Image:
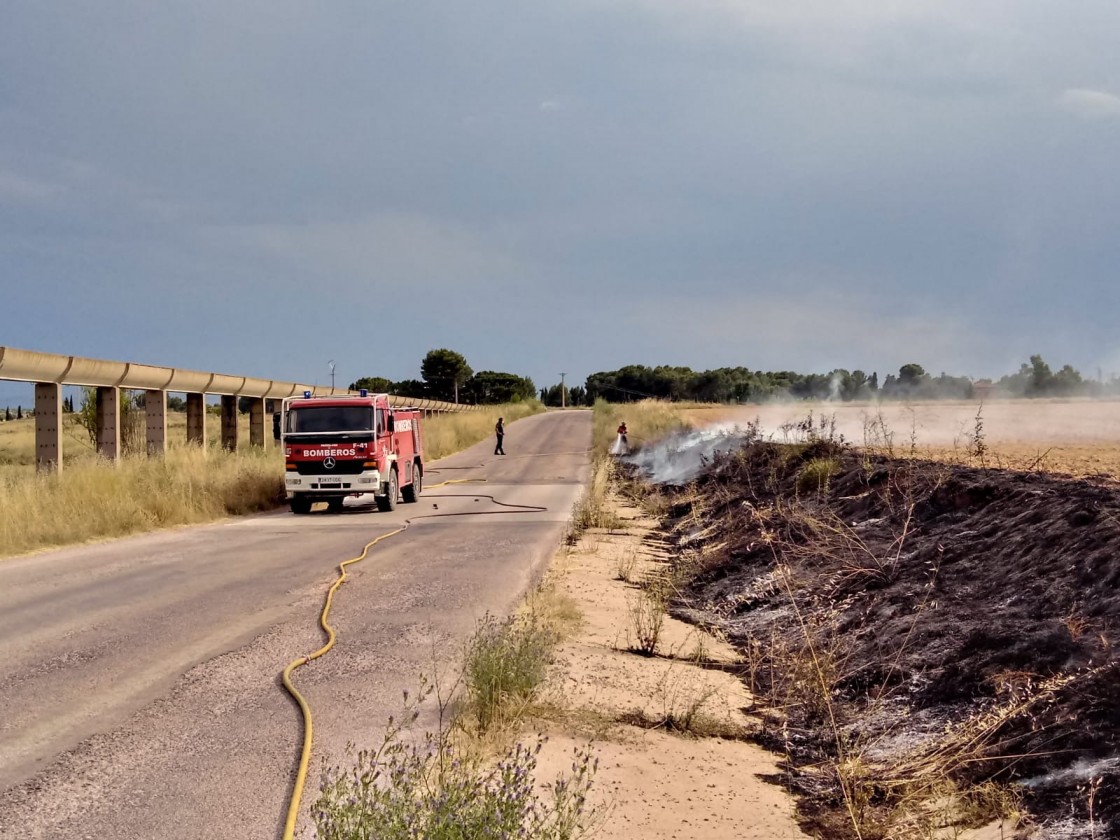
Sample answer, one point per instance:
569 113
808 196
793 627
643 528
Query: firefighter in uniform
499 432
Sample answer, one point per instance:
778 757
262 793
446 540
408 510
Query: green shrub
816 474
506 663
431 788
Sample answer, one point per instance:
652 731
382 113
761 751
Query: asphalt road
140 693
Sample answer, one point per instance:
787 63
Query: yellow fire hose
305 709
305 757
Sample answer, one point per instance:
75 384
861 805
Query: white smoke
1080 771
680 457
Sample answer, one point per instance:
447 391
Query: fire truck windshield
330 418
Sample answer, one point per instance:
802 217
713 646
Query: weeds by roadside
470 775
625 566
591 509
436 787
506 663
646 611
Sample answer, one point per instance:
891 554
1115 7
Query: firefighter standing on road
500 432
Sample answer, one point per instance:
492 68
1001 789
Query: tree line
739 384
446 375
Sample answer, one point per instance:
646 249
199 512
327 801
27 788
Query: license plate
337 481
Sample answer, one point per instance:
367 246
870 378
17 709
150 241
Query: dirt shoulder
669 729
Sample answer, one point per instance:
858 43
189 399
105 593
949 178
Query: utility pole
330 364
563 392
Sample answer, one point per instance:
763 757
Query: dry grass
1078 460
17 438
592 509
646 421
1072 437
94 500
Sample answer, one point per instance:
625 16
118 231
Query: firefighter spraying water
622 443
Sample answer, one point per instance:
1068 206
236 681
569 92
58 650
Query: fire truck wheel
412 491
300 504
388 502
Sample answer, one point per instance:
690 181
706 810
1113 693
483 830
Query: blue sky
260 187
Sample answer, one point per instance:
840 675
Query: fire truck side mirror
276 425
391 424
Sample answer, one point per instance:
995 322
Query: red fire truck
342 446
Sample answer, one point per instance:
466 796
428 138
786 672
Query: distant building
983 389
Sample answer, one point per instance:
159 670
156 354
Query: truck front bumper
332 485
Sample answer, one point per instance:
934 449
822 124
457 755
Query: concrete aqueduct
50 371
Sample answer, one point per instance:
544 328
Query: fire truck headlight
293 482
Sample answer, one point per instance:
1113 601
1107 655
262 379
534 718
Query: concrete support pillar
229 423
155 412
271 407
196 419
256 422
108 413
48 426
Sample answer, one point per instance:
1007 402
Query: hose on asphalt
286 676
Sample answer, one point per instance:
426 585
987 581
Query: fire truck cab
341 446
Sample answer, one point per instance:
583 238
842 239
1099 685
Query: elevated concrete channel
50 371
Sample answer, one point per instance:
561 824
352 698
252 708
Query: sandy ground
653 783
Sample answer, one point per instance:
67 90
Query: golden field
1080 438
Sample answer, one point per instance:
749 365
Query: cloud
651 164
17 188
804 330
1090 104
414 253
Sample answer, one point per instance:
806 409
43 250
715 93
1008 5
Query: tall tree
489 387
373 384
411 388
445 371
911 374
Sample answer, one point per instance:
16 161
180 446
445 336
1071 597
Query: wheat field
1080 438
